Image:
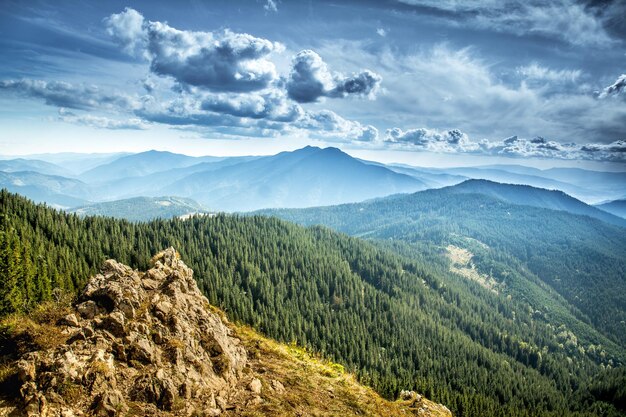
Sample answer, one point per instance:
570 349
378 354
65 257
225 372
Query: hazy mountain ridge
616 207
309 176
306 177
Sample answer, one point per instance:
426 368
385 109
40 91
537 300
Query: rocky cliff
150 344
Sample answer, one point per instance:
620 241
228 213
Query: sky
422 82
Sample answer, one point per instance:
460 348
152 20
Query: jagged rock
143 337
255 386
89 309
109 403
277 386
114 323
70 320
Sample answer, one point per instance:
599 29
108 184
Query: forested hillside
581 258
400 322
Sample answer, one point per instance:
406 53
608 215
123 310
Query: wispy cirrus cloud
570 21
100 122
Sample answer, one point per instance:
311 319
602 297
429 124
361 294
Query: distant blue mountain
306 177
55 190
35 165
141 164
616 207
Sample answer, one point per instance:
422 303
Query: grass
314 386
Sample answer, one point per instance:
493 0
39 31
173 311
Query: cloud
568 20
63 94
127 29
310 79
617 88
218 61
328 124
455 141
381 32
271 6
271 105
101 122
430 139
536 72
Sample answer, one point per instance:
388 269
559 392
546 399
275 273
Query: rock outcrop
137 338
149 344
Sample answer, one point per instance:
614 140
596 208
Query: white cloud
63 94
381 32
568 20
224 61
100 122
271 6
618 87
329 125
310 79
455 141
536 72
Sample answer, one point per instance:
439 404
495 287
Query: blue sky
416 81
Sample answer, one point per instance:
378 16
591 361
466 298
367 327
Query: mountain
141 164
42 167
587 185
54 190
617 207
529 250
394 314
76 163
305 177
150 343
536 197
141 208
153 184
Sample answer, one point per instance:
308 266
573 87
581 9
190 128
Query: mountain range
306 177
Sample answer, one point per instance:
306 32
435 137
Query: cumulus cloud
455 141
100 122
571 21
618 87
63 94
224 61
271 105
310 79
430 139
328 124
127 29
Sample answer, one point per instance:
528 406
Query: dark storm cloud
310 79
